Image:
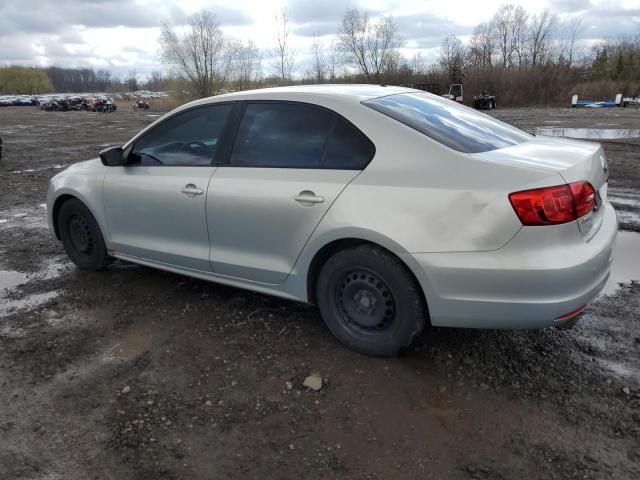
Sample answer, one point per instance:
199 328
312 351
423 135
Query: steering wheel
195 146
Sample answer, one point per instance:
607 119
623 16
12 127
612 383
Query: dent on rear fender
427 219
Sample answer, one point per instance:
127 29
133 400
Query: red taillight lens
553 205
584 196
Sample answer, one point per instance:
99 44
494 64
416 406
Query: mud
134 373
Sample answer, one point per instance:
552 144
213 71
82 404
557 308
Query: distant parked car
388 207
484 101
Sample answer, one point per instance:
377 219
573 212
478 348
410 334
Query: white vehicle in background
455 93
388 207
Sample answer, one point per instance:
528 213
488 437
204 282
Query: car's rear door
155 204
288 164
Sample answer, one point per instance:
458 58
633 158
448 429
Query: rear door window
458 127
285 135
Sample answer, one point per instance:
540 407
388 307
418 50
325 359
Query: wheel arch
63 198
55 212
336 245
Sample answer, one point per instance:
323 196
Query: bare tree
155 81
319 68
481 46
519 33
452 55
247 64
283 56
540 36
570 35
369 47
418 64
131 81
501 26
201 53
333 60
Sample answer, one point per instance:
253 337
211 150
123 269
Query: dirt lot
134 373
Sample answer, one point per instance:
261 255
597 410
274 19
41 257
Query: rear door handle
190 190
307 196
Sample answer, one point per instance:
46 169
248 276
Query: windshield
456 126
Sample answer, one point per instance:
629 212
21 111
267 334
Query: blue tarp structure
595 104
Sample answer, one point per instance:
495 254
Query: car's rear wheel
370 301
81 236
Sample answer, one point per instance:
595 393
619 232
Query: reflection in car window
187 138
282 135
458 127
349 148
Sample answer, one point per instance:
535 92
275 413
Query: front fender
85 182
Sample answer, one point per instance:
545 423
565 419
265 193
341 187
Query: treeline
31 81
521 57
22 80
537 59
89 80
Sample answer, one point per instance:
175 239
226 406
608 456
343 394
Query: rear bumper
536 278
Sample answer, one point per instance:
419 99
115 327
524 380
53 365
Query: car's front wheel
81 236
370 301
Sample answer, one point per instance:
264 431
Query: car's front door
289 163
155 203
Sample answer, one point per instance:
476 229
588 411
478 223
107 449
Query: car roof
343 92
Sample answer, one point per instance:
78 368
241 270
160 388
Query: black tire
81 236
351 288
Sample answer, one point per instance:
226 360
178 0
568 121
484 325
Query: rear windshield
456 126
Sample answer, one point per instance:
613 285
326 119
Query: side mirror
112 157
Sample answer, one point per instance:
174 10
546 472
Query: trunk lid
574 160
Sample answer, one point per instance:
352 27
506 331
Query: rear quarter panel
425 197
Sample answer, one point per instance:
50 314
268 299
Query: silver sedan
387 207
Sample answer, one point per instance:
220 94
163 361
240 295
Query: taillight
553 205
584 196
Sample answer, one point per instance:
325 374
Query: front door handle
307 196
190 190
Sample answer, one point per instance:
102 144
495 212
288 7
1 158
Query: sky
122 35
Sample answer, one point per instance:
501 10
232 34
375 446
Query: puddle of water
153 115
632 202
619 369
626 262
10 279
12 332
28 302
589 133
131 346
35 217
631 218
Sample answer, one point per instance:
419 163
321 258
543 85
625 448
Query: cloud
231 16
312 11
426 30
316 28
44 16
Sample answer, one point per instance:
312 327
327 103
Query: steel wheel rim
364 301
80 235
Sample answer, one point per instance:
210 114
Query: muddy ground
133 373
